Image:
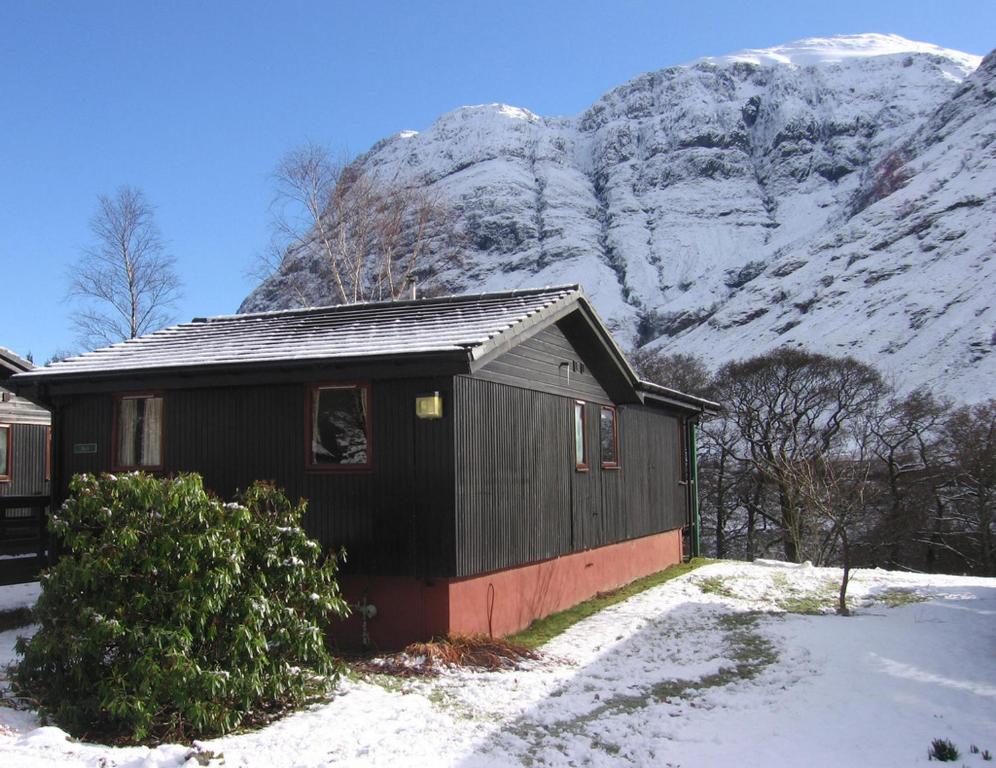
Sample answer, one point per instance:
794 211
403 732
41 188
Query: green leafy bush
173 615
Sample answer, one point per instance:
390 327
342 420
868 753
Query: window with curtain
340 426
609 437
580 452
139 432
5 453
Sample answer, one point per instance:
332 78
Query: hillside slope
832 193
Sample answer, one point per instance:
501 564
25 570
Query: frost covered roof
12 362
390 329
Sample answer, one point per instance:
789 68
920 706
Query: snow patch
817 51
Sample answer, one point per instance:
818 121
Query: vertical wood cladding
491 485
390 518
80 421
519 497
513 495
546 362
28 446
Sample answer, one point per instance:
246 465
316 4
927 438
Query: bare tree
908 447
837 492
789 406
970 438
373 238
679 370
125 282
726 483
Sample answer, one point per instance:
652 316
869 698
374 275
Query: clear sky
195 102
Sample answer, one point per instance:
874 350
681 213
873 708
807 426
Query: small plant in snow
174 616
943 750
714 585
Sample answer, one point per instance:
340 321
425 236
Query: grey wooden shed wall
27 461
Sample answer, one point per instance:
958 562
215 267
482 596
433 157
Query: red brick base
501 602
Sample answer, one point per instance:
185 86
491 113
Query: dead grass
467 651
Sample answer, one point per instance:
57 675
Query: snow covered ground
706 670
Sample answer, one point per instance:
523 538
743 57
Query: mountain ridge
686 199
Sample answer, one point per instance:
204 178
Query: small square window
5 449
139 433
340 427
608 435
580 450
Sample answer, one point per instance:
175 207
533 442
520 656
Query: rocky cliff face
836 194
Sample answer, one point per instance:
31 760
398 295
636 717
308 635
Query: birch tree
124 284
373 238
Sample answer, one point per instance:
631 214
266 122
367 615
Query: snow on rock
814 51
711 669
836 194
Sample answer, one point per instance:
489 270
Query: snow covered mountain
836 194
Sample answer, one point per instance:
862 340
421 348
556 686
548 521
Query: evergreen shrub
173 615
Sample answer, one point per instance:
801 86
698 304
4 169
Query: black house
484 459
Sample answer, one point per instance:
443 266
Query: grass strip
545 629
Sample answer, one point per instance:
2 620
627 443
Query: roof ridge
448 324
15 359
449 298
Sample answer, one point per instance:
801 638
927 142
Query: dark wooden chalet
24 476
484 460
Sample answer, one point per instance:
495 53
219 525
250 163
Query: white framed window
580 446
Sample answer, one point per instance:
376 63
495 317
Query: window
580 452
340 427
608 437
5 445
48 454
138 437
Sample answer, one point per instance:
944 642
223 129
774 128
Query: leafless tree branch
125 284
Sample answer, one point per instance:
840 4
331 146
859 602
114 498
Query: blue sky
195 102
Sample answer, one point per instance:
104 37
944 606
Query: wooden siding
27 461
18 410
392 519
491 485
513 495
649 437
536 364
519 498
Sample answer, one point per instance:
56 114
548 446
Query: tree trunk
842 595
790 525
720 500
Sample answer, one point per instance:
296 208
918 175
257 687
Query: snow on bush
174 615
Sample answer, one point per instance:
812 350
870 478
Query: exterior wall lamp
429 406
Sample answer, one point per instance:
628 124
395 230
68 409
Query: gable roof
471 329
454 324
11 362
13 409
